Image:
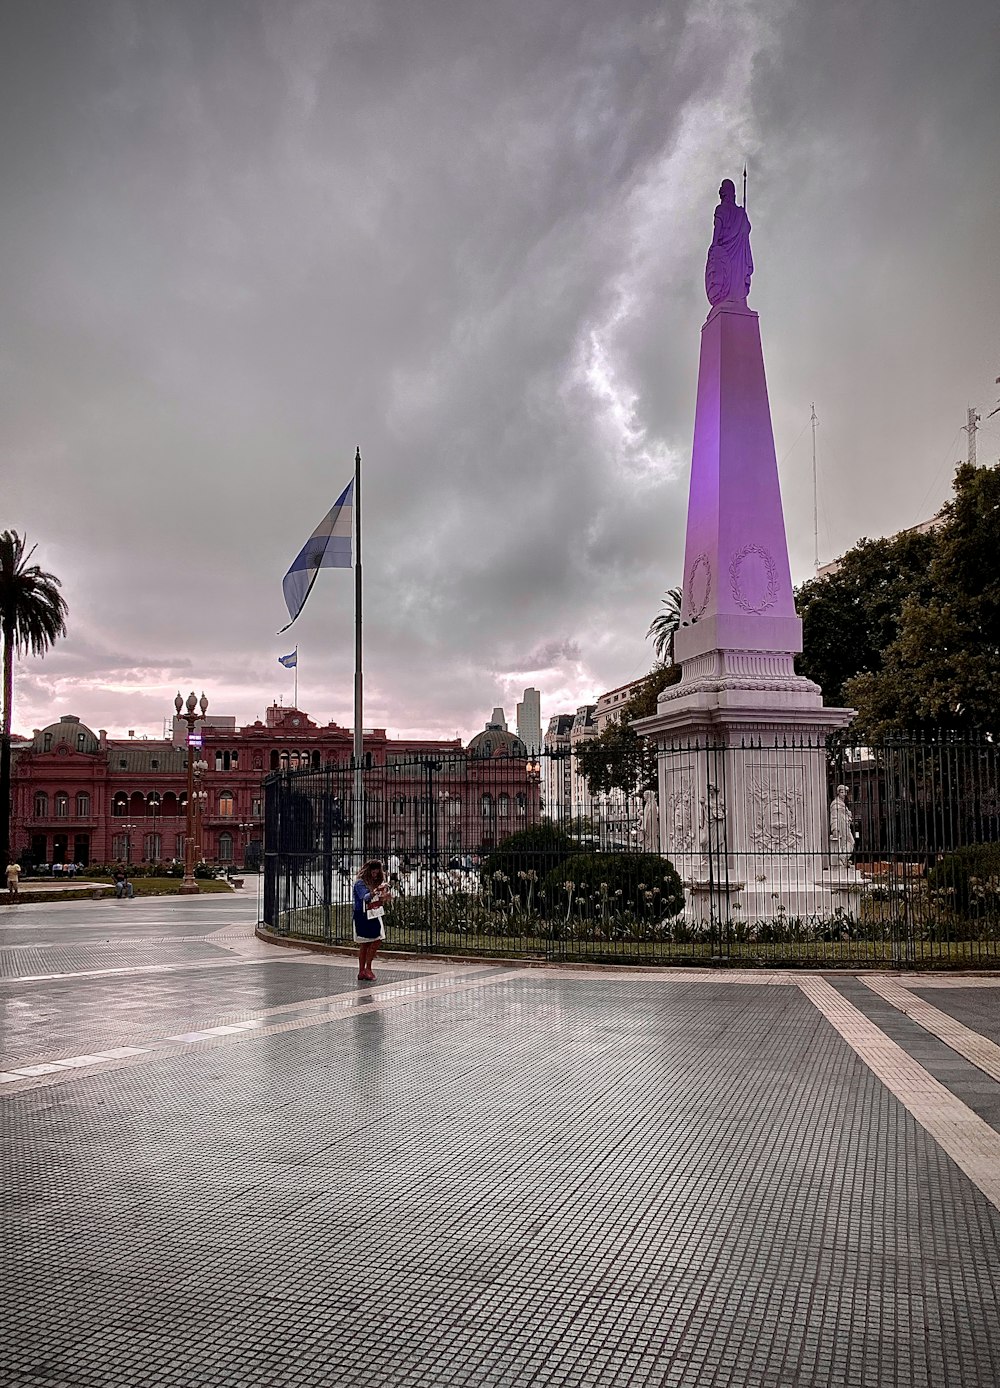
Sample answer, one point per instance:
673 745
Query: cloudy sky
240 237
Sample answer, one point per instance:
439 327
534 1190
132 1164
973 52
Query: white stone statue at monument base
730 264
650 822
841 830
712 830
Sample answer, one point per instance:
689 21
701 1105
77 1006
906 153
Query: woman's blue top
362 925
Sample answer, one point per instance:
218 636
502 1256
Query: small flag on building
289 661
328 547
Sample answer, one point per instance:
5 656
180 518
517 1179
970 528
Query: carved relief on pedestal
682 818
753 578
699 587
777 811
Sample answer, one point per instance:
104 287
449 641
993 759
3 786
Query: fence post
327 899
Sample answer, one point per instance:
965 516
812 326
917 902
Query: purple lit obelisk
742 767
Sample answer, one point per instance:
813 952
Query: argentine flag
289 661
328 547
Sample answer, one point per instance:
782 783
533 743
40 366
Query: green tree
32 618
942 670
664 626
619 759
850 617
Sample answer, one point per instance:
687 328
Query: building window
227 805
152 848
81 849
41 805
82 805
256 809
274 761
225 848
119 806
503 806
399 804
80 740
487 805
453 807
179 846
522 805
61 805
47 743
283 761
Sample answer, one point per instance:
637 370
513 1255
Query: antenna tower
815 421
970 428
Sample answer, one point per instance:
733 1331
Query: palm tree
664 624
32 617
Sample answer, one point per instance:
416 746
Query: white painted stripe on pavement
316 1012
977 1049
973 1145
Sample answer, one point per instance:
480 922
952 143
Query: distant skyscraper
499 719
529 721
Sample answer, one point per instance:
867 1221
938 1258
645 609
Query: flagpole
296 668
359 822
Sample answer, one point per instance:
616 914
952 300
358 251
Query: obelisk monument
741 763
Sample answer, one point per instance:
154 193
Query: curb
269 937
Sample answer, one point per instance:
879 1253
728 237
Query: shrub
137 870
538 850
968 880
642 883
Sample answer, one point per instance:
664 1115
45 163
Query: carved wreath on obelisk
770 594
699 586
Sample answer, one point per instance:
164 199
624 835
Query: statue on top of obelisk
730 264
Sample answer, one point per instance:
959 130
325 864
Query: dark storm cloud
240 239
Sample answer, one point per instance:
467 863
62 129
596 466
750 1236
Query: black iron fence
782 853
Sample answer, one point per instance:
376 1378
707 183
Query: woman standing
370 896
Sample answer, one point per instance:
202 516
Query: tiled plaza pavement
228 1164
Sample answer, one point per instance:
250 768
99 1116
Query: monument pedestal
742 738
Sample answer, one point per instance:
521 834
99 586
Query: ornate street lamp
533 775
152 806
189 712
246 828
127 830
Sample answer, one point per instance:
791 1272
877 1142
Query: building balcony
58 823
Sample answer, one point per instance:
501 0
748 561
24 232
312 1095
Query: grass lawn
309 923
163 886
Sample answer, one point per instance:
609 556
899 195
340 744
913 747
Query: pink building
80 796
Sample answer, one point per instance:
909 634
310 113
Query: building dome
69 730
495 741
